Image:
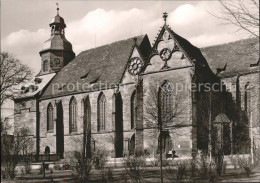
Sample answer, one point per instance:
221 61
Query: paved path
253 178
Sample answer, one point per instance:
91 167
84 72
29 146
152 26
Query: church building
131 97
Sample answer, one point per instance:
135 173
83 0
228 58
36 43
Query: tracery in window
49 117
165 103
101 112
73 115
247 99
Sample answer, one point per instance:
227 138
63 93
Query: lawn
149 175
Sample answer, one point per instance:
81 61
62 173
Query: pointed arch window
73 115
45 65
49 117
247 99
101 112
133 110
165 103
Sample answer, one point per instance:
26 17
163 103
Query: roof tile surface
104 64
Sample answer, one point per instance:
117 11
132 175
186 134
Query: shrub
110 176
26 163
219 157
81 165
41 170
256 156
246 164
51 170
57 167
193 167
156 161
12 150
224 167
178 170
8 174
66 166
203 165
22 171
100 160
134 167
234 161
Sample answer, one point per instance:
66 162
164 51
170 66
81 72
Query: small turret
57 50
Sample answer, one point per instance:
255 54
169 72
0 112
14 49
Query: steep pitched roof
35 86
238 56
104 64
192 51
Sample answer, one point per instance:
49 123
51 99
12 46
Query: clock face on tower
56 61
135 66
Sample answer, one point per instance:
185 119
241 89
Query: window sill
50 131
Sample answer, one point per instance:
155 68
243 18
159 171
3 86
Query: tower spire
165 15
57 8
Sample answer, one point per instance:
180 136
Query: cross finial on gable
165 15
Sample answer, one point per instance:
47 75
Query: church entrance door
60 131
119 139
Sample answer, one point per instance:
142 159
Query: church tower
57 50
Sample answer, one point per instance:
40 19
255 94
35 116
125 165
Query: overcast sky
25 23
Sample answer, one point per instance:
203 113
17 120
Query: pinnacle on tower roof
58 19
57 8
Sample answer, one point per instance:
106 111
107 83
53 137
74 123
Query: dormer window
45 65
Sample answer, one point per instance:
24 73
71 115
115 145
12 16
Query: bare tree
5 126
243 14
13 73
84 158
14 149
161 121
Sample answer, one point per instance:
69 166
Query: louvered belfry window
49 117
73 115
166 103
101 112
45 65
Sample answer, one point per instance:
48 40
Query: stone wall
181 136
25 115
251 80
103 138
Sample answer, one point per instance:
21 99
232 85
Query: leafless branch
243 14
13 73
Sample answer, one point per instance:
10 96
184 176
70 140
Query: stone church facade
120 93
